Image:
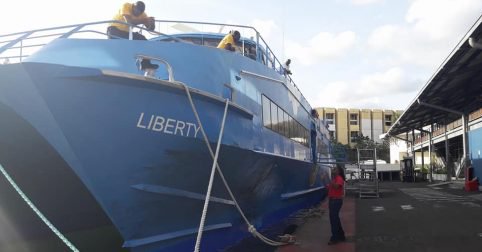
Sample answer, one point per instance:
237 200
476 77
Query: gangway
361 175
368 175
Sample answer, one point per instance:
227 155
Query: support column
465 138
413 147
422 152
430 143
406 137
448 166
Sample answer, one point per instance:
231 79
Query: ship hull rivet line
251 228
37 212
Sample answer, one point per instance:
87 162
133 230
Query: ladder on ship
368 175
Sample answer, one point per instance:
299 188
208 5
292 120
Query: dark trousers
337 233
114 33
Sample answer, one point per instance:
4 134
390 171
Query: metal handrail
14 57
258 38
168 66
77 28
80 25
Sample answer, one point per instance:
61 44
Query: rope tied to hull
211 181
251 228
37 211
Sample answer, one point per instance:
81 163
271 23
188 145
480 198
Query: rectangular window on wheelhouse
211 42
274 116
281 123
266 112
290 126
286 125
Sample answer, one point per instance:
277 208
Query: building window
353 136
332 134
330 118
353 119
388 120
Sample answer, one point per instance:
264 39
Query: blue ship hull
95 148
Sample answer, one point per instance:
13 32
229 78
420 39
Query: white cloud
432 29
266 27
365 2
440 19
369 91
393 80
322 46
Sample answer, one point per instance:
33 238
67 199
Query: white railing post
21 47
257 45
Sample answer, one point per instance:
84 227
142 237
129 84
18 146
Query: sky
374 54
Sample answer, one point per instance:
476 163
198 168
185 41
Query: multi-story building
346 124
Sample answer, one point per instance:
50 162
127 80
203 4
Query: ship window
191 40
250 51
211 42
282 123
290 127
286 120
281 120
299 133
266 112
274 117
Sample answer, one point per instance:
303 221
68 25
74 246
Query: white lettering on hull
168 125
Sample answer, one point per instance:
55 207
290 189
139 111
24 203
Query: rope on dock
37 211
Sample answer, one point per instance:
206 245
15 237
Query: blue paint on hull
115 133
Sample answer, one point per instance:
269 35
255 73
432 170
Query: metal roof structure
456 86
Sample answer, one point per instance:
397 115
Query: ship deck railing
15 47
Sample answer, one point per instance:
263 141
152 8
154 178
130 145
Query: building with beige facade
346 124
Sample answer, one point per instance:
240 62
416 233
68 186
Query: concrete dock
407 217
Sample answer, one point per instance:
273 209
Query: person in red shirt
335 196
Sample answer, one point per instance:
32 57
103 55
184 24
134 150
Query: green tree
383 148
345 153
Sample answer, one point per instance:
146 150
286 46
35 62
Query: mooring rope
251 228
211 180
37 212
